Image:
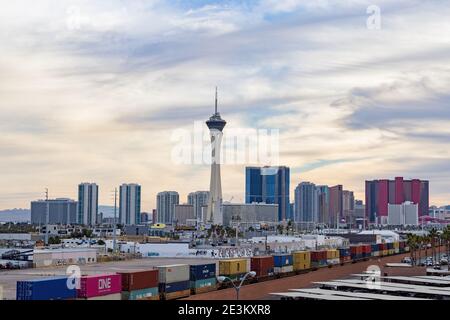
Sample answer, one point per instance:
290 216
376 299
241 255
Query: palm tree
411 241
433 236
446 238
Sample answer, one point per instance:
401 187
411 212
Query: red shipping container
262 265
99 285
137 280
318 255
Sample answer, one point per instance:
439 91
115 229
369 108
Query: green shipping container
211 282
140 294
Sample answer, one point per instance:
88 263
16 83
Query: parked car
407 260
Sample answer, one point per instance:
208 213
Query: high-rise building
323 203
165 206
269 185
348 205
215 125
381 193
130 204
57 211
88 204
154 216
403 214
198 199
183 213
335 213
306 203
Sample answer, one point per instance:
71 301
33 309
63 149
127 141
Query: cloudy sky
93 91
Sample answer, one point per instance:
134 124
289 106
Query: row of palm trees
434 239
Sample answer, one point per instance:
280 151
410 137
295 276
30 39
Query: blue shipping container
198 284
374 247
174 286
45 289
343 252
202 271
282 260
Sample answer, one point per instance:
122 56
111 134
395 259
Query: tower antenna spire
216 102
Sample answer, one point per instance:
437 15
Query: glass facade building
130 204
269 185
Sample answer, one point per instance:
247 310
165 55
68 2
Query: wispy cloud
93 90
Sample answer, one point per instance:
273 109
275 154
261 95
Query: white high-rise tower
215 125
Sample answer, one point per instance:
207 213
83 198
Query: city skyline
93 92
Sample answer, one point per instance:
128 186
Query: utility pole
47 215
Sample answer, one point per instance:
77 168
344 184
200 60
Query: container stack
402 246
319 258
174 281
366 250
356 252
301 260
383 248
262 265
390 248
396 247
283 263
375 250
344 255
203 278
140 285
234 269
100 287
333 257
55 288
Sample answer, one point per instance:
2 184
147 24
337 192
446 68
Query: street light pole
237 288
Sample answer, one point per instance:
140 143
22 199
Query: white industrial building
406 213
52 257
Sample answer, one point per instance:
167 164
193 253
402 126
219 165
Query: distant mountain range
24 215
15 215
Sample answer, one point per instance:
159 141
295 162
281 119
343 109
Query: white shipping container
115 296
376 253
283 269
173 273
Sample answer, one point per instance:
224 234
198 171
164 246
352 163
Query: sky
94 91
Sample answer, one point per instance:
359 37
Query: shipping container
262 265
301 260
143 294
396 245
318 255
385 253
320 263
202 271
332 254
99 285
176 295
114 296
282 260
333 261
233 267
174 273
204 285
55 288
284 269
137 280
344 252
174 286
